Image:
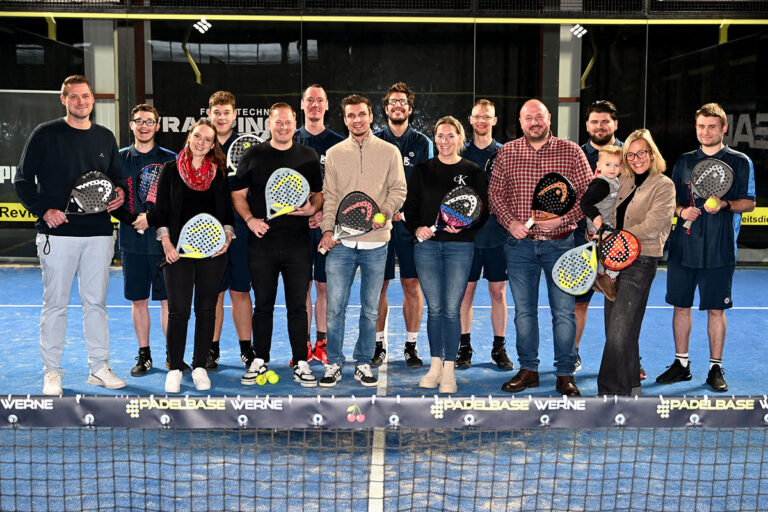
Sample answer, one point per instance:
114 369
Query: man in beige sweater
366 164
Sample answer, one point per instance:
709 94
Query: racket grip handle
323 251
529 223
687 224
161 265
434 230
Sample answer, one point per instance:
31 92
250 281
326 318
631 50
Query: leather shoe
566 385
523 379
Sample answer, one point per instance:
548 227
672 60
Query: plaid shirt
519 167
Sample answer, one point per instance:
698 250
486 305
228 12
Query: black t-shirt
256 166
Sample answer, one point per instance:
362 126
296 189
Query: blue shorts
494 260
714 286
139 273
237 276
318 260
401 243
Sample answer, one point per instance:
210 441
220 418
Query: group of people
622 185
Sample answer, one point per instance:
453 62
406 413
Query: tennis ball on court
272 377
380 218
261 379
711 203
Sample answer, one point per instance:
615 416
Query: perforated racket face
355 215
286 189
91 193
201 236
489 165
149 177
576 270
241 144
554 194
461 206
618 250
711 177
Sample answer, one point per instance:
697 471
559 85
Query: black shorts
139 271
493 260
401 242
318 260
714 286
237 276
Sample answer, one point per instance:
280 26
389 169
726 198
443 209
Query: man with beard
704 256
520 164
414 147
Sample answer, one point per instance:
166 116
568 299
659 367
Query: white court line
376 478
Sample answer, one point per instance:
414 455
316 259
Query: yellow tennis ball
711 202
272 377
380 218
261 379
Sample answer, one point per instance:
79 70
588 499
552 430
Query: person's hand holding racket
225 248
54 218
305 210
171 254
710 178
258 226
118 201
202 236
141 224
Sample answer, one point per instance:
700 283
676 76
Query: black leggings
181 278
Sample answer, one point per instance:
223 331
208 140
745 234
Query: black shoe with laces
675 373
185 368
715 379
143 363
500 358
247 356
379 355
212 361
412 358
464 356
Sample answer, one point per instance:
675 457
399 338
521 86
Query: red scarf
196 179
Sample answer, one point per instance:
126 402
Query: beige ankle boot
448 378
432 379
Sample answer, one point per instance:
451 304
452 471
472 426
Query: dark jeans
183 278
266 264
620 368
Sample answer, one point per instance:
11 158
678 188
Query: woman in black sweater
444 259
194 183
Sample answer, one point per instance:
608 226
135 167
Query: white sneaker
258 366
173 381
105 377
52 384
364 374
303 375
200 377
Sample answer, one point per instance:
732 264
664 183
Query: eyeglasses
395 103
482 118
149 123
640 154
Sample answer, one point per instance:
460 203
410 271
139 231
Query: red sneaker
321 354
309 354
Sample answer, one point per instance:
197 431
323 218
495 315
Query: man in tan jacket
366 164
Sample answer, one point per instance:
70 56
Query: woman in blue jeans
444 259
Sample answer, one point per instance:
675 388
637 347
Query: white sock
380 337
713 362
411 337
683 358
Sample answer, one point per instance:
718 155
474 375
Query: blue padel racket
149 177
460 207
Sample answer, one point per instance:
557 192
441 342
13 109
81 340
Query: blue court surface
744 359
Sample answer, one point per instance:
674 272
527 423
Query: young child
598 202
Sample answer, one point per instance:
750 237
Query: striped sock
713 362
683 358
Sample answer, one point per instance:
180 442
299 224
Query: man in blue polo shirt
314 103
704 256
140 253
414 147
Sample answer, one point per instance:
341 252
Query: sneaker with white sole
173 381
331 376
105 377
303 375
364 374
200 378
257 367
52 384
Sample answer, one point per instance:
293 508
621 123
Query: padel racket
286 190
354 217
616 249
554 196
710 177
241 144
202 236
489 165
460 207
91 193
576 270
149 177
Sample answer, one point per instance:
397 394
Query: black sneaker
257 367
464 357
143 364
715 379
500 358
364 374
379 355
331 376
303 375
675 373
212 361
412 358
247 356
185 368
578 362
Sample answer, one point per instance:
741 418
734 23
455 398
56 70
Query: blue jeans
443 269
525 260
340 267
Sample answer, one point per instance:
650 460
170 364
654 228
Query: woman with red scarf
194 183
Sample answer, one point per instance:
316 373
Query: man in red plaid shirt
519 166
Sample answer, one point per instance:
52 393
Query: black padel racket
554 196
241 144
286 190
616 249
354 216
460 207
576 270
202 236
149 177
489 165
91 193
710 177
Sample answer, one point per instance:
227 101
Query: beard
597 140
